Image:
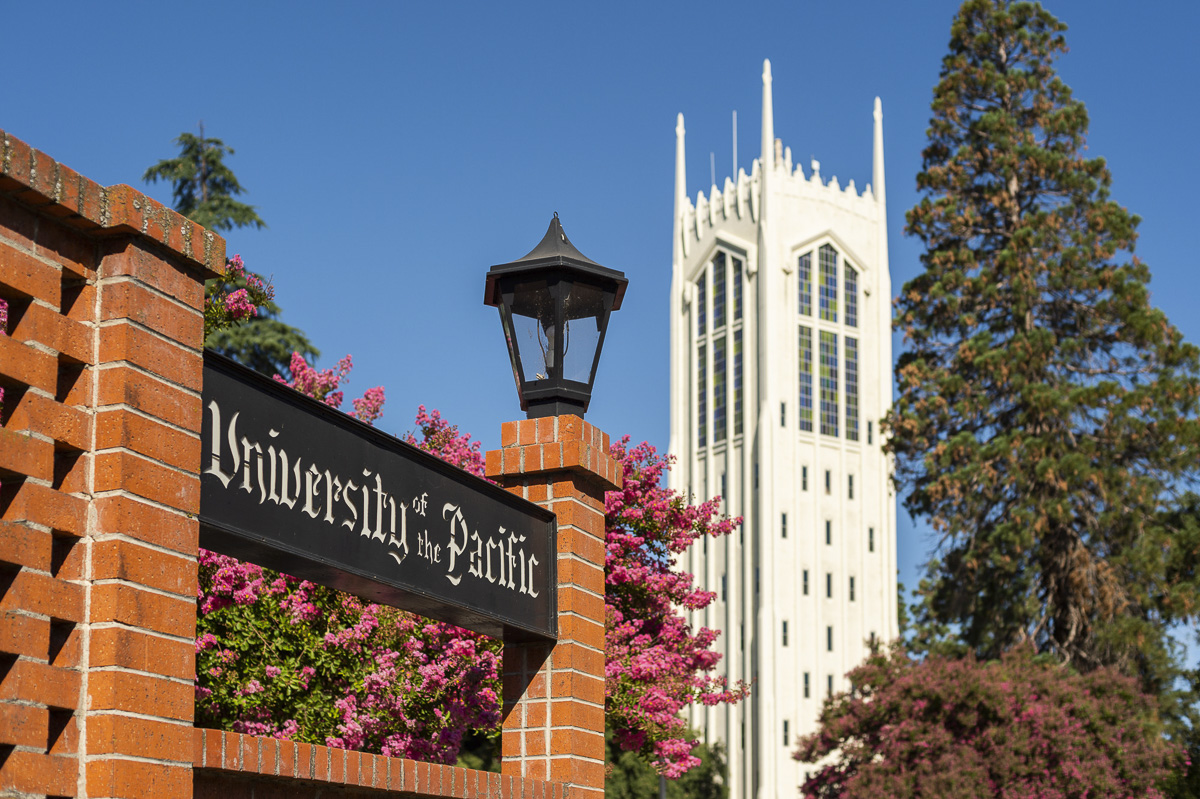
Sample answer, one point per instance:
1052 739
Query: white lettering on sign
272 476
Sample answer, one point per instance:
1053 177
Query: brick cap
34 179
552 444
293 767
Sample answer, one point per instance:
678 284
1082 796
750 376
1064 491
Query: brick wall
229 764
99 490
99 453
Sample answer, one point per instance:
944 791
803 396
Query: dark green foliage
1046 420
203 185
481 750
264 343
631 777
204 188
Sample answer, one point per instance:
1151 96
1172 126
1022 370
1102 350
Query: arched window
806 378
719 278
829 384
804 278
828 295
851 296
851 388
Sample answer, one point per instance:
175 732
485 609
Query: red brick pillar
554 694
99 465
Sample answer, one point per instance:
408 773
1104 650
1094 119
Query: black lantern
554 305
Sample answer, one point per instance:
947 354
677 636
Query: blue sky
397 150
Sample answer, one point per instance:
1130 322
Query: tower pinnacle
768 120
680 191
877 172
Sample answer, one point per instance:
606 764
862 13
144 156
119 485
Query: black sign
294 485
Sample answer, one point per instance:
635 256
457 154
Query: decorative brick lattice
99 454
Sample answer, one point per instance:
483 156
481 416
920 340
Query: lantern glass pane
534 329
584 312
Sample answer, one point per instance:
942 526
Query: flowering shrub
655 665
1017 728
287 658
234 297
443 439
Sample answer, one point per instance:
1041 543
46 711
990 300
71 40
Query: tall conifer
1046 421
204 189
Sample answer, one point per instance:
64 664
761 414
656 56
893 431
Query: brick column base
554 693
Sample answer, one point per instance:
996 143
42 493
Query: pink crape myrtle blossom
655 663
369 406
239 306
235 297
324 385
443 439
1020 727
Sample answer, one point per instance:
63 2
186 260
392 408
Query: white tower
780 371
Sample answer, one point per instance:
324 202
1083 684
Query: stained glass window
829 384
804 275
702 305
851 296
806 379
828 295
737 289
719 277
719 418
851 389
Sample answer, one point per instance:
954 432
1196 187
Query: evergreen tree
204 187
1046 420
204 190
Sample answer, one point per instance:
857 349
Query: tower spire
877 174
680 192
768 120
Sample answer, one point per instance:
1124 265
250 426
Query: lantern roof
555 250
